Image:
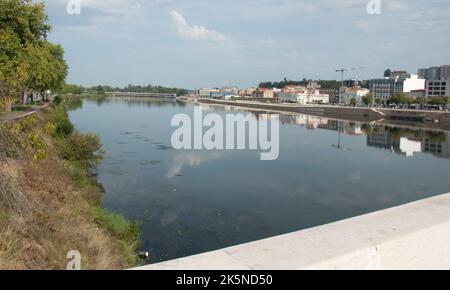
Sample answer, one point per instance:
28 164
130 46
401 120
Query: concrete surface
433 120
412 236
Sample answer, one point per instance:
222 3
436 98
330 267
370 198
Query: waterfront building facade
356 93
438 88
435 73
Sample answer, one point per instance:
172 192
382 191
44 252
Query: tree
353 102
72 89
399 98
388 73
12 69
27 60
368 99
421 100
27 20
438 100
379 101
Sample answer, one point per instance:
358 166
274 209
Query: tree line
78 89
29 63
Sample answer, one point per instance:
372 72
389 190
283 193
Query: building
399 75
357 93
218 95
413 83
351 83
246 93
384 89
445 72
333 93
416 94
438 88
206 93
264 94
303 96
435 73
399 83
422 73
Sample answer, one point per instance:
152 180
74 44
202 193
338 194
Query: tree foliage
388 73
28 61
324 84
368 99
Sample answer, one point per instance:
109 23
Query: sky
215 43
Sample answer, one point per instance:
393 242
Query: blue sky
206 43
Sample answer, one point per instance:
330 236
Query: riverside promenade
411 236
435 120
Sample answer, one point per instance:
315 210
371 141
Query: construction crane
343 70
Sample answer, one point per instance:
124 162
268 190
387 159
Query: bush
62 125
57 100
63 128
85 149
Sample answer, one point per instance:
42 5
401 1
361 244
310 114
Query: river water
189 202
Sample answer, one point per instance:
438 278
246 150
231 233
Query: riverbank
50 203
412 236
432 120
20 113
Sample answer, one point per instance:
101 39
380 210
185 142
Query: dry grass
45 211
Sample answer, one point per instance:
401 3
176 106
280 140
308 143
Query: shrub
63 128
62 124
36 142
83 148
57 100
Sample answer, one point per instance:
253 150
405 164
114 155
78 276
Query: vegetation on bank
49 201
100 90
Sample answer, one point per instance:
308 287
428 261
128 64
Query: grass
50 202
21 108
125 232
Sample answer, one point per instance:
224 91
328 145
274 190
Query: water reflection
404 141
135 101
192 160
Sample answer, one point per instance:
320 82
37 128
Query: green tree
27 60
399 98
379 101
438 100
388 73
421 100
12 68
72 89
368 99
353 102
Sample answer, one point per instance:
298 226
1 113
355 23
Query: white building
304 97
413 83
356 93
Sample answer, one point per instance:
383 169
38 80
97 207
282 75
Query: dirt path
14 116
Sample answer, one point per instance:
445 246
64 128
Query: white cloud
194 32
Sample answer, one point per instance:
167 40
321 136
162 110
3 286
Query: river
189 202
